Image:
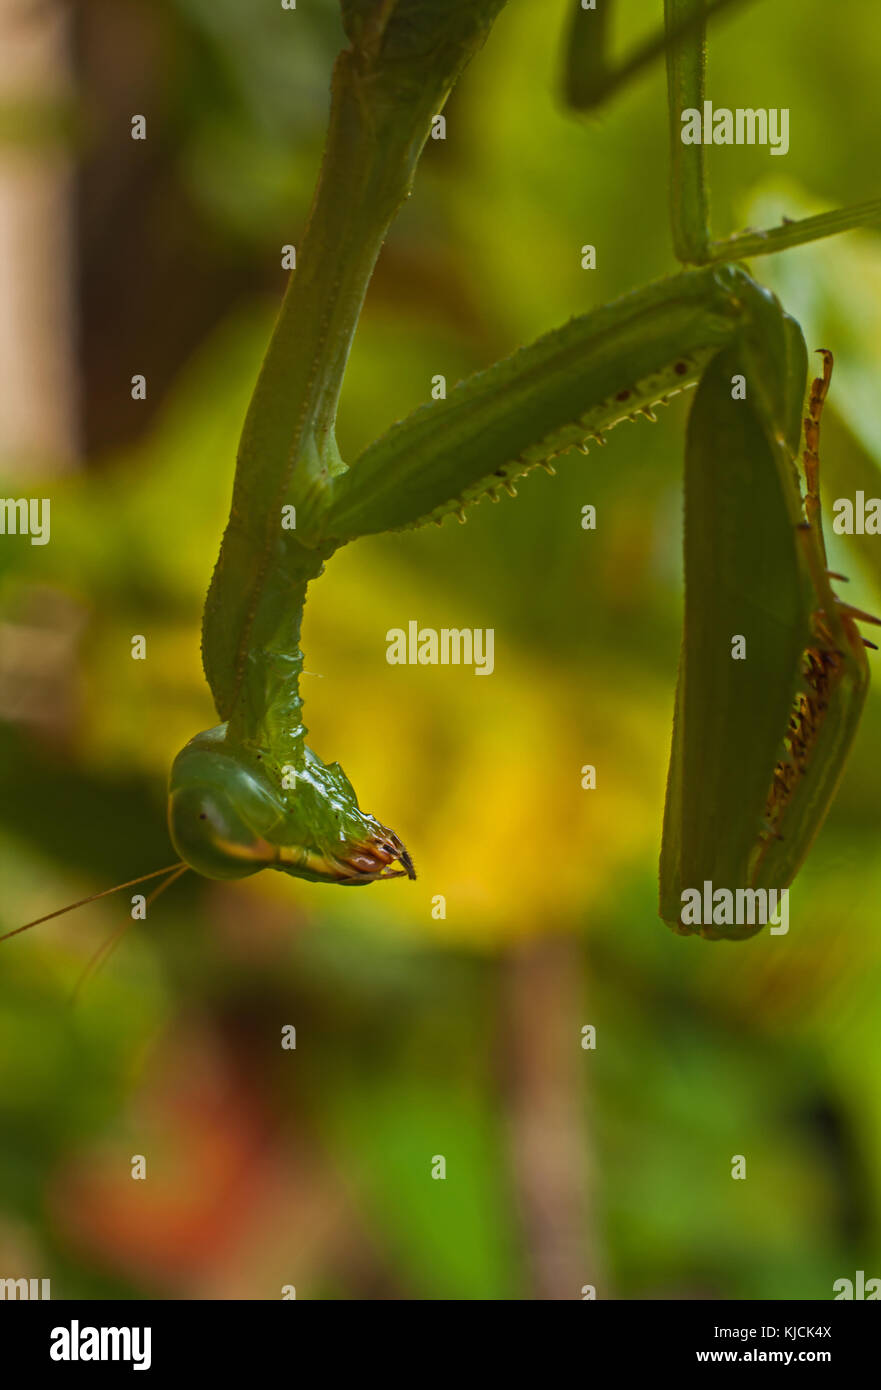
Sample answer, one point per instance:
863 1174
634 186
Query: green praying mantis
758 743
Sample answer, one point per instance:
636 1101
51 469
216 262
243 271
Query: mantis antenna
59 911
104 951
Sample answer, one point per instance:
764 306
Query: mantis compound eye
229 818
219 811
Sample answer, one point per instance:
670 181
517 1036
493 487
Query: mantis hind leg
810 456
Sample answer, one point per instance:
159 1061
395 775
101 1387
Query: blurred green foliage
313 1167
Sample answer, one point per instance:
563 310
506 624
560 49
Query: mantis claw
372 860
354 879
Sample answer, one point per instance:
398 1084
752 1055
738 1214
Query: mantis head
232 813
229 817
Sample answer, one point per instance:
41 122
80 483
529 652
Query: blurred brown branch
37 372
550 1156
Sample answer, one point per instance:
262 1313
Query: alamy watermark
449 646
742 126
26 516
859 1288
740 907
25 1289
860 517
75 1343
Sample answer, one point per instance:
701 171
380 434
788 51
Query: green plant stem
588 78
744 245
686 60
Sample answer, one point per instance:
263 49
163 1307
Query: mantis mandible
758 745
